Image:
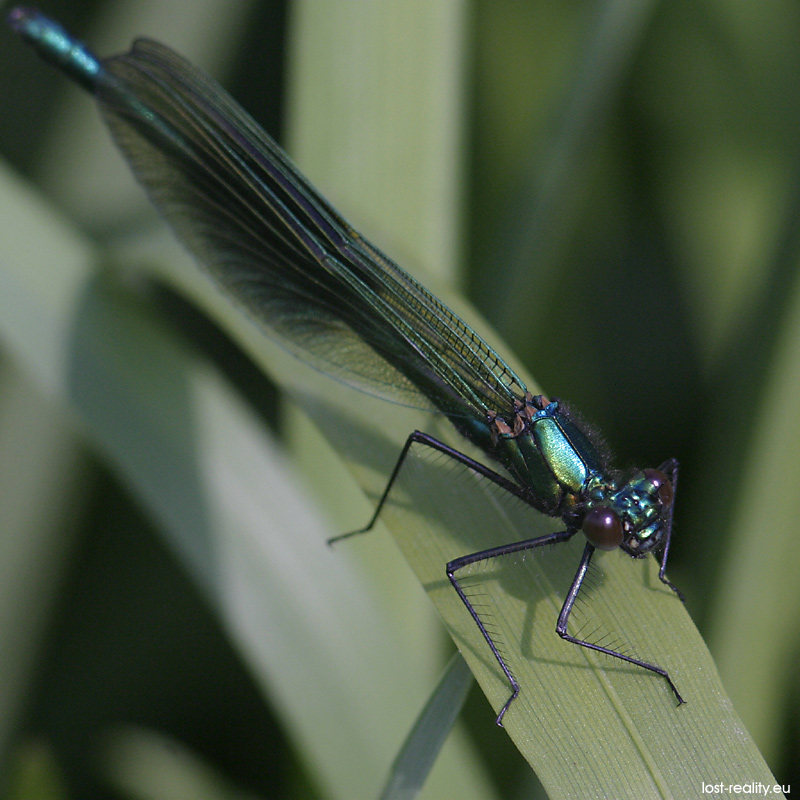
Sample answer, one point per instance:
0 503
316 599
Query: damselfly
332 298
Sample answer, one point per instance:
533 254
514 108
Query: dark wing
243 209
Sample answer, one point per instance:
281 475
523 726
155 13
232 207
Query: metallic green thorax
547 452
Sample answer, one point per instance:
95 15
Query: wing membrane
283 252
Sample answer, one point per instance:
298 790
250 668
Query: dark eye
662 485
602 527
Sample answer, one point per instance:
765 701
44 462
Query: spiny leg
566 610
484 555
670 469
424 439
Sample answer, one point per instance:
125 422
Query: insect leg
424 439
670 469
484 555
563 619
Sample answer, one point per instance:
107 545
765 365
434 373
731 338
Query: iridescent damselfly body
333 299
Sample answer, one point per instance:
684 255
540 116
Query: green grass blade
204 467
654 748
548 190
425 740
146 765
648 746
41 473
759 597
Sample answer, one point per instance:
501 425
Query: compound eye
603 528
662 485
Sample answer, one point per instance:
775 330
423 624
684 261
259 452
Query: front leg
566 610
670 469
485 555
